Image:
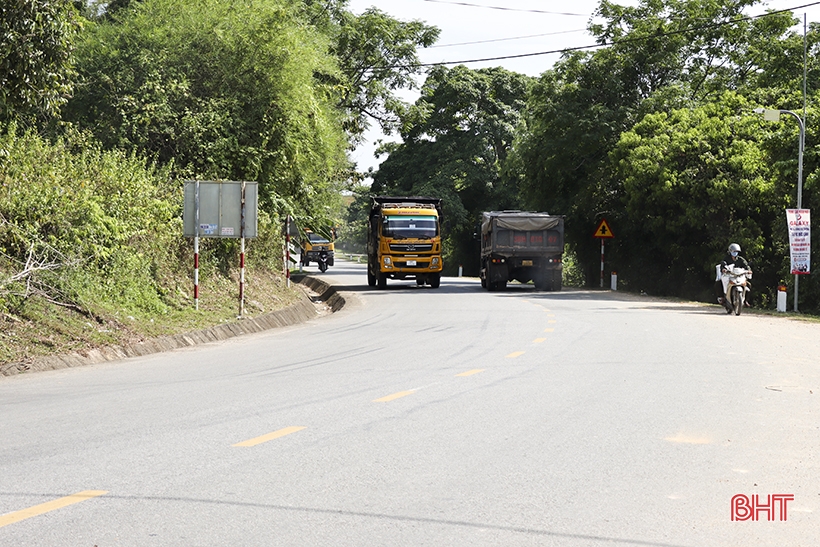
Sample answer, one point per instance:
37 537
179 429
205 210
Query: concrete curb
327 293
300 312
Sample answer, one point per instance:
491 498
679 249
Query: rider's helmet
734 248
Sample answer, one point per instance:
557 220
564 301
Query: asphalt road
448 417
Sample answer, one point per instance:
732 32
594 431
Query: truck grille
411 247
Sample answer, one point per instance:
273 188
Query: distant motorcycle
735 288
322 261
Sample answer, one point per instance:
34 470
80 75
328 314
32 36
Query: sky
482 29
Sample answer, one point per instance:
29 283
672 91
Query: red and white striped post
242 254
196 272
602 263
196 247
287 250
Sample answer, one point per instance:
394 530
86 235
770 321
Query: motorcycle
735 288
322 261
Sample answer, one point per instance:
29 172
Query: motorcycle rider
732 258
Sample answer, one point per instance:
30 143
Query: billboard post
220 209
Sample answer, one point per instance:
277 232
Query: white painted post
781 298
614 281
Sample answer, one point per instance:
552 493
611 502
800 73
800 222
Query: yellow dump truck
404 240
316 246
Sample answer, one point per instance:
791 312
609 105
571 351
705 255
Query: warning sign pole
603 232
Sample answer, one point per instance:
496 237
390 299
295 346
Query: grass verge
38 327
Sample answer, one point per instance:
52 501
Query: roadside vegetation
106 108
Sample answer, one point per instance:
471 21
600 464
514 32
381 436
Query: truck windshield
316 238
405 227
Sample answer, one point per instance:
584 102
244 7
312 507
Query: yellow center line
538 340
393 397
471 372
552 321
515 354
23 514
549 330
270 436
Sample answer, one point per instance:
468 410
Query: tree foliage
643 132
693 180
456 139
222 90
377 56
36 43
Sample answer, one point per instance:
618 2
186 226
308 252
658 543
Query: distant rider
732 258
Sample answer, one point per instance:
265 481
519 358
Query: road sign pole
287 250
196 248
242 255
603 232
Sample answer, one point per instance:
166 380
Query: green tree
663 56
455 141
36 43
693 180
220 90
377 56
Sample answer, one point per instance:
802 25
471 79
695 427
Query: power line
606 44
507 9
508 39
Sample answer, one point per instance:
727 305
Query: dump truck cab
404 240
314 243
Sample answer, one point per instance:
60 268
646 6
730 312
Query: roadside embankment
317 292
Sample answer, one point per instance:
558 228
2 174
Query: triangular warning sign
603 230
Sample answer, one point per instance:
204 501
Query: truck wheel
371 279
488 280
540 282
434 280
382 281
